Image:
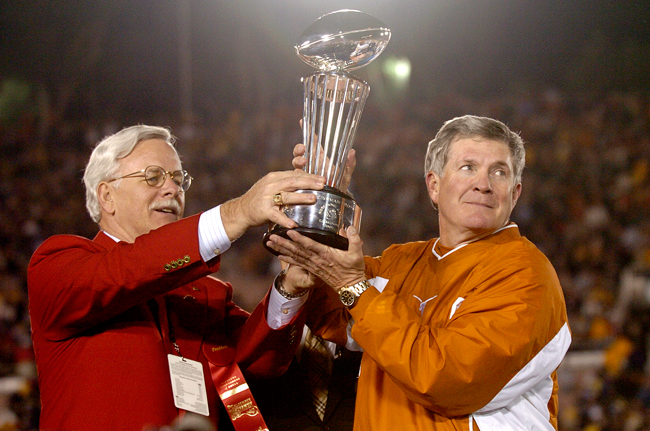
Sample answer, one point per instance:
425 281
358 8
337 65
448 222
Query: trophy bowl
343 40
333 102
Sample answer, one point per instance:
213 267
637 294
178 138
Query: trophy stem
332 107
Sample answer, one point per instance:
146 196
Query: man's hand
337 268
257 206
300 161
297 279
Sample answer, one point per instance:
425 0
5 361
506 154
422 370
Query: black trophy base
327 238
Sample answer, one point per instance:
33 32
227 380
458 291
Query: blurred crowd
585 204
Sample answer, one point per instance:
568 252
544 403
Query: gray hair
470 126
104 161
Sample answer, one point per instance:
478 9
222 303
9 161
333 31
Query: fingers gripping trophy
333 101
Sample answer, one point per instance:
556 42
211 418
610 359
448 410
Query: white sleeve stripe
536 371
379 283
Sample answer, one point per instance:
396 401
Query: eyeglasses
155 176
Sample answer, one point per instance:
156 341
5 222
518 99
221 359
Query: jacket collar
505 233
105 240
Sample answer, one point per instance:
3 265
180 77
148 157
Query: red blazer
101 314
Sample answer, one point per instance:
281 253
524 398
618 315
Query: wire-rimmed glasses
155 176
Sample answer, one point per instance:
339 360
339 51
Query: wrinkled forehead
494 150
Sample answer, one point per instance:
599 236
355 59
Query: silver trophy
333 101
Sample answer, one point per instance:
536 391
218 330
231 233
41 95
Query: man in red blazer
112 316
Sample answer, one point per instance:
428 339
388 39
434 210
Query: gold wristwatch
350 294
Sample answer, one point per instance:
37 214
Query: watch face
347 298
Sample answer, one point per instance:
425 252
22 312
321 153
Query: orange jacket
477 333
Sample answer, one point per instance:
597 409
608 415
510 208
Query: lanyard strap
229 382
237 397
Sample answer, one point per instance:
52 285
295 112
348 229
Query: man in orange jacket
460 332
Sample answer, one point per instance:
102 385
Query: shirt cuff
213 239
282 310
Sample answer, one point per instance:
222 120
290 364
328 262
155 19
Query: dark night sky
112 56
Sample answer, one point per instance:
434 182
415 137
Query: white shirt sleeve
213 239
282 310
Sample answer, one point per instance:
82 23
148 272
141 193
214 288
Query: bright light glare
402 69
398 70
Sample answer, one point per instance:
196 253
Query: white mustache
170 203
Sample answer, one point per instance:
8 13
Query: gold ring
277 199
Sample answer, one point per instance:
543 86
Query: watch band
349 295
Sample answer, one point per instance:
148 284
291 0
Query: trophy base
333 212
327 238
